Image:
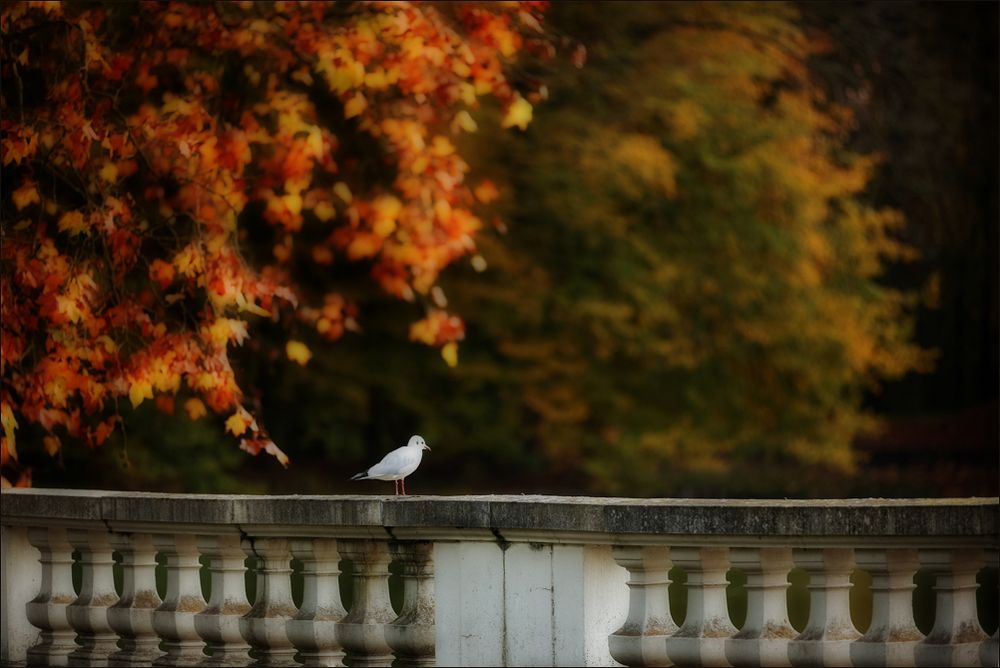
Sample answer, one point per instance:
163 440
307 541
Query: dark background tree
922 81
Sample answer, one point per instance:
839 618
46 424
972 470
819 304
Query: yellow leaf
449 353
25 195
466 122
324 211
9 425
293 202
355 106
195 408
388 206
518 114
109 172
441 147
109 345
52 445
139 391
298 352
255 309
189 260
8 420
72 222
237 423
315 141
387 209
384 227
341 190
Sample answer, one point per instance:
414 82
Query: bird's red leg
404 486
396 483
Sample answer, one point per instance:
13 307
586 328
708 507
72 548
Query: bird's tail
360 476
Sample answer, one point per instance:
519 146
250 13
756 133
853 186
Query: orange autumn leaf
195 408
486 191
165 403
73 222
161 272
26 195
52 445
363 245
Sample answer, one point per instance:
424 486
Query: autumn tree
711 265
177 174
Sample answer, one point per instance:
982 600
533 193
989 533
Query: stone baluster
701 639
47 611
956 637
362 631
173 620
265 625
314 629
763 640
132 616
642 639
88 614
219 623
411 635
892 636
827 638
989 651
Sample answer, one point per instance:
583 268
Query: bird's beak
427 447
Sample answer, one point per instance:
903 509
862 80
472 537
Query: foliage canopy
176 172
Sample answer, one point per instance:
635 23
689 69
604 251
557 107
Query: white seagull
398 464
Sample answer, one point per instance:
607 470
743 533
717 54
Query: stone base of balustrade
989 652
757 651
51 653
699 651
222 658
959 654
883 654
230 655
413 645
320 659
94 655
818 653
140 655
182 654
378 660
636 650
310 636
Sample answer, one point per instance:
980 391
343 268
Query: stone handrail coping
526 517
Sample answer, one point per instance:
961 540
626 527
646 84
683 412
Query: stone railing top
522 517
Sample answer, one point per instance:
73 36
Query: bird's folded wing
393 462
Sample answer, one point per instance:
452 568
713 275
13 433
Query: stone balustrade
485 580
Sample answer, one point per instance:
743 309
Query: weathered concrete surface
841 518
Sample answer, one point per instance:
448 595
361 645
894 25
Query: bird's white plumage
399 463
